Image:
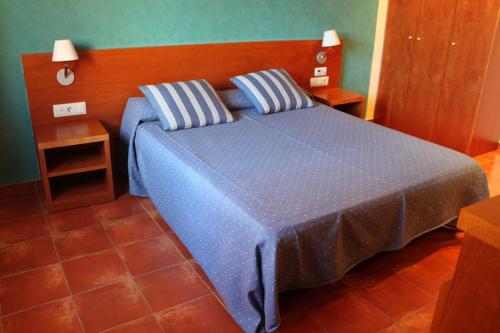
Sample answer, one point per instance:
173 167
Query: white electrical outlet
69 109
320 71
319 81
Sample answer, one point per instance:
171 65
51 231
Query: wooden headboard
105 79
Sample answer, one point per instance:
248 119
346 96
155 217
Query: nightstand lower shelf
80 189
354 109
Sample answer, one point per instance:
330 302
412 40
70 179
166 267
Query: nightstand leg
45 178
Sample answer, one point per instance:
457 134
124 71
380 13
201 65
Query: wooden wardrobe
440 77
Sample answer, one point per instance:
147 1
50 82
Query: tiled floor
117 267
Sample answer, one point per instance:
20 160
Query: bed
292 199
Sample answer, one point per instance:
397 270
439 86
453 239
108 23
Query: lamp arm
66 69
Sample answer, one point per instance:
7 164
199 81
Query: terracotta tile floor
117 267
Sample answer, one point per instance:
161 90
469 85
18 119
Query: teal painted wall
31 26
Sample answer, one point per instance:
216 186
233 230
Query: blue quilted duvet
292 199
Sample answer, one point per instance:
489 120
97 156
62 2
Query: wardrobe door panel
431 47
486 133
466 65
401 25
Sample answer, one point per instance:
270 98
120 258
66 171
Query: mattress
293 199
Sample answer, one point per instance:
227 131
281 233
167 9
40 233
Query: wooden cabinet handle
418 38
453 43
410 37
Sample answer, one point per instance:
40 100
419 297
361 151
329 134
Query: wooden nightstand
75 163
343 100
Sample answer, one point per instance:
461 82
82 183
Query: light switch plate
69 109
320 71
319 81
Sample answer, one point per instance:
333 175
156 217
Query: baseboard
19 188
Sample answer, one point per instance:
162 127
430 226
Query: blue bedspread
293 199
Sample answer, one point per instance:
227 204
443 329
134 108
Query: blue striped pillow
186 104
272 91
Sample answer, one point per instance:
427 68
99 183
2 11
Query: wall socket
320 71
319 81
69 109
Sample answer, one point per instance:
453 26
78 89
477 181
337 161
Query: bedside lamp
330 38
64 51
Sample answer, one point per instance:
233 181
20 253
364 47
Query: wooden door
401 26
432 41
472 37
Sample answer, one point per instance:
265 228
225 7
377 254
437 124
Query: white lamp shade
330 38
64 51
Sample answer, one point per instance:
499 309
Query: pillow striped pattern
187 104
272 91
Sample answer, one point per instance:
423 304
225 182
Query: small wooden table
75 163
470 302
343 100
